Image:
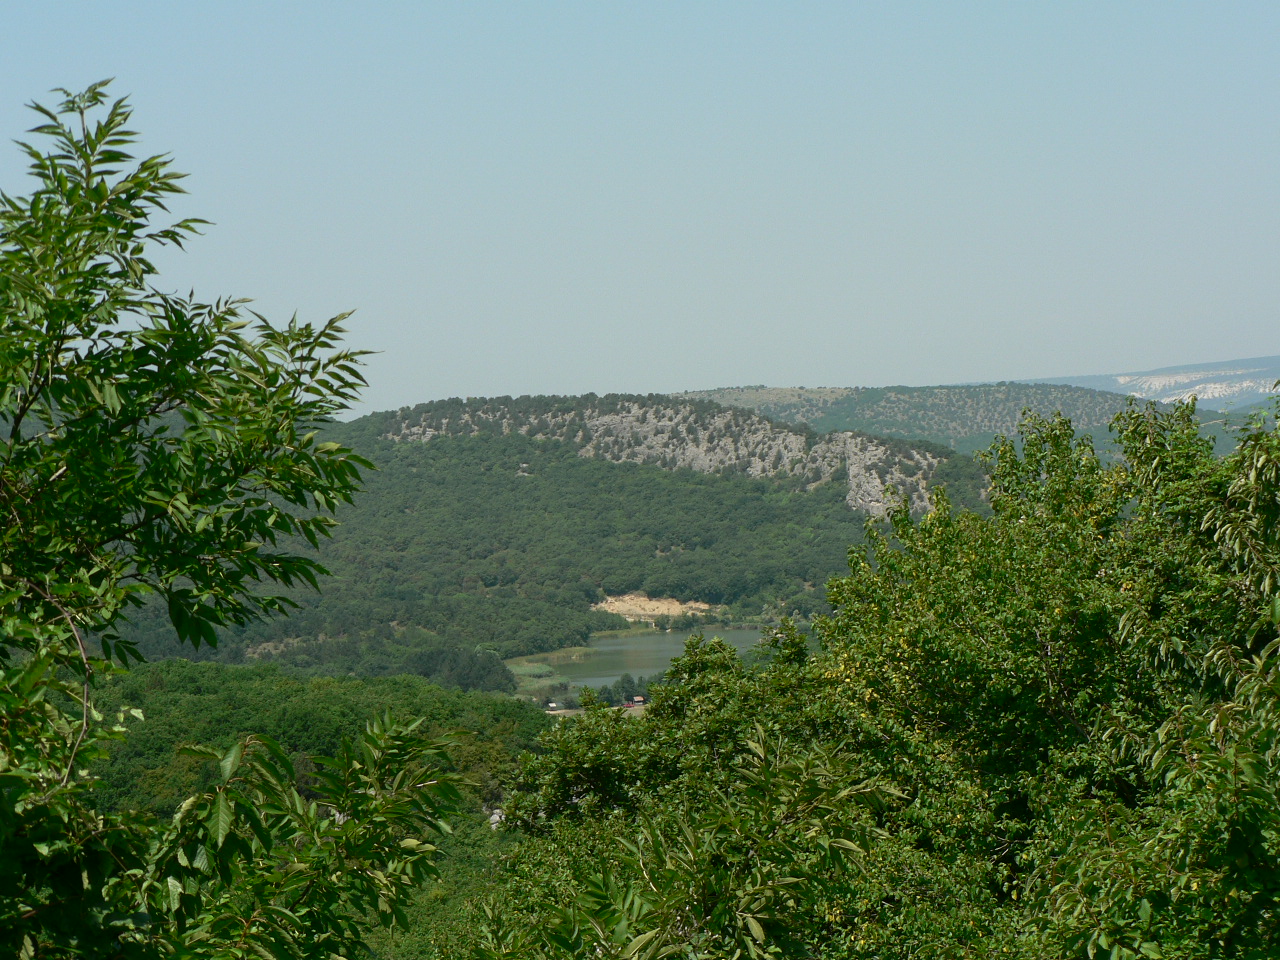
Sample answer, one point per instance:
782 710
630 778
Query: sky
556 198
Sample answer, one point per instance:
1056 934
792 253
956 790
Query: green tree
154 445
1076 699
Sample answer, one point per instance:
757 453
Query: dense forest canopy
184 702
1048 732
494 537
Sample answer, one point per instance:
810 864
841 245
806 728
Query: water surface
640 654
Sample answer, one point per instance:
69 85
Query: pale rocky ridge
701 436
1217 386
963 416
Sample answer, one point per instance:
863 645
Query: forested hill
492 527
699 435
965 418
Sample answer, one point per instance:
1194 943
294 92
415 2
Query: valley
553 557
502 528
506 528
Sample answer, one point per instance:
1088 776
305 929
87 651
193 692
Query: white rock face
675 435
1218 386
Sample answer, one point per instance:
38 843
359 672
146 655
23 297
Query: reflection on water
641 655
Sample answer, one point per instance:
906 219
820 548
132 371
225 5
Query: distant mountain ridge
699 435
1230 384
963 417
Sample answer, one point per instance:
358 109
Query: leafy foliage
740 873
152 445
1074 700
209 703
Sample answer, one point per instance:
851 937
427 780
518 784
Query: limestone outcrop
701 436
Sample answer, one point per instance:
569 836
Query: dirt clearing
636 606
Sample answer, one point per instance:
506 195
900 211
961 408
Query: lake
640 654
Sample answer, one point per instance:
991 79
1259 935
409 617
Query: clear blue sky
562 197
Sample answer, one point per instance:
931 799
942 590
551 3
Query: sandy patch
636 606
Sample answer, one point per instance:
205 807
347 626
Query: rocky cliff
696 435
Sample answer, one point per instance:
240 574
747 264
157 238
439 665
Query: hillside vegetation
965 418
700 436
492 526
214 704
1051 732
206 703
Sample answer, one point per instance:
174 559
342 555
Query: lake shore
641 653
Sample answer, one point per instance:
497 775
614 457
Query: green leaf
639 943
230 761
223 818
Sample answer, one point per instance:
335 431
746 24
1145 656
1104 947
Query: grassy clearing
536 675
635 630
